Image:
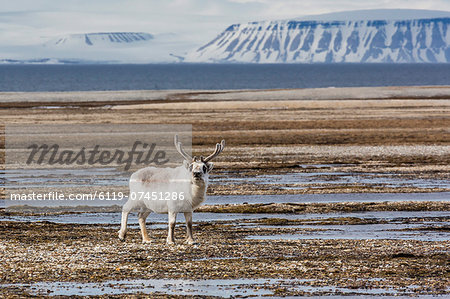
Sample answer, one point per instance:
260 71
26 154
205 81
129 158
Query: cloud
293 8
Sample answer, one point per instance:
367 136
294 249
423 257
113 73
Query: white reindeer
187 183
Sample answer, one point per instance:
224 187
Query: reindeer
189 182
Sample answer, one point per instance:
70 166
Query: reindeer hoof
122 237
170 242
190 242
146 241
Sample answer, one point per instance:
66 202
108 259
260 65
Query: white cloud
294 8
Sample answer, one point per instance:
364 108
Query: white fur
179 181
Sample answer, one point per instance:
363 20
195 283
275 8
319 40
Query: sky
27 22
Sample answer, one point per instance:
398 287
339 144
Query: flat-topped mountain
359 36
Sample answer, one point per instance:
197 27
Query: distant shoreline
73 99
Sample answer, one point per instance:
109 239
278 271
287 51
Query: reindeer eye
204 168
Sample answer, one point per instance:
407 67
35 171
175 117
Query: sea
95 77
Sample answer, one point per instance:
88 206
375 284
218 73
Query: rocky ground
399 133
35 252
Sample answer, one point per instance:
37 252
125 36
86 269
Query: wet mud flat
372 176
402 252
258 236
237 255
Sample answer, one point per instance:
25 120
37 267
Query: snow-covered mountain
102 47
113 47
352 36
359 36
99 39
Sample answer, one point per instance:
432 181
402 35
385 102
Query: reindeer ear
209 166
186 164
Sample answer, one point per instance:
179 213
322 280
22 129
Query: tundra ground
393 139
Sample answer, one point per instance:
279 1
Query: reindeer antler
181 150
219 148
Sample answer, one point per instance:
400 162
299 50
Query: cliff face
415 40
100 39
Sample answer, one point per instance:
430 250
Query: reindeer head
199 167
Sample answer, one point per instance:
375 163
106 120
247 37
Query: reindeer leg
172 221
123 226
142 217
188 217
